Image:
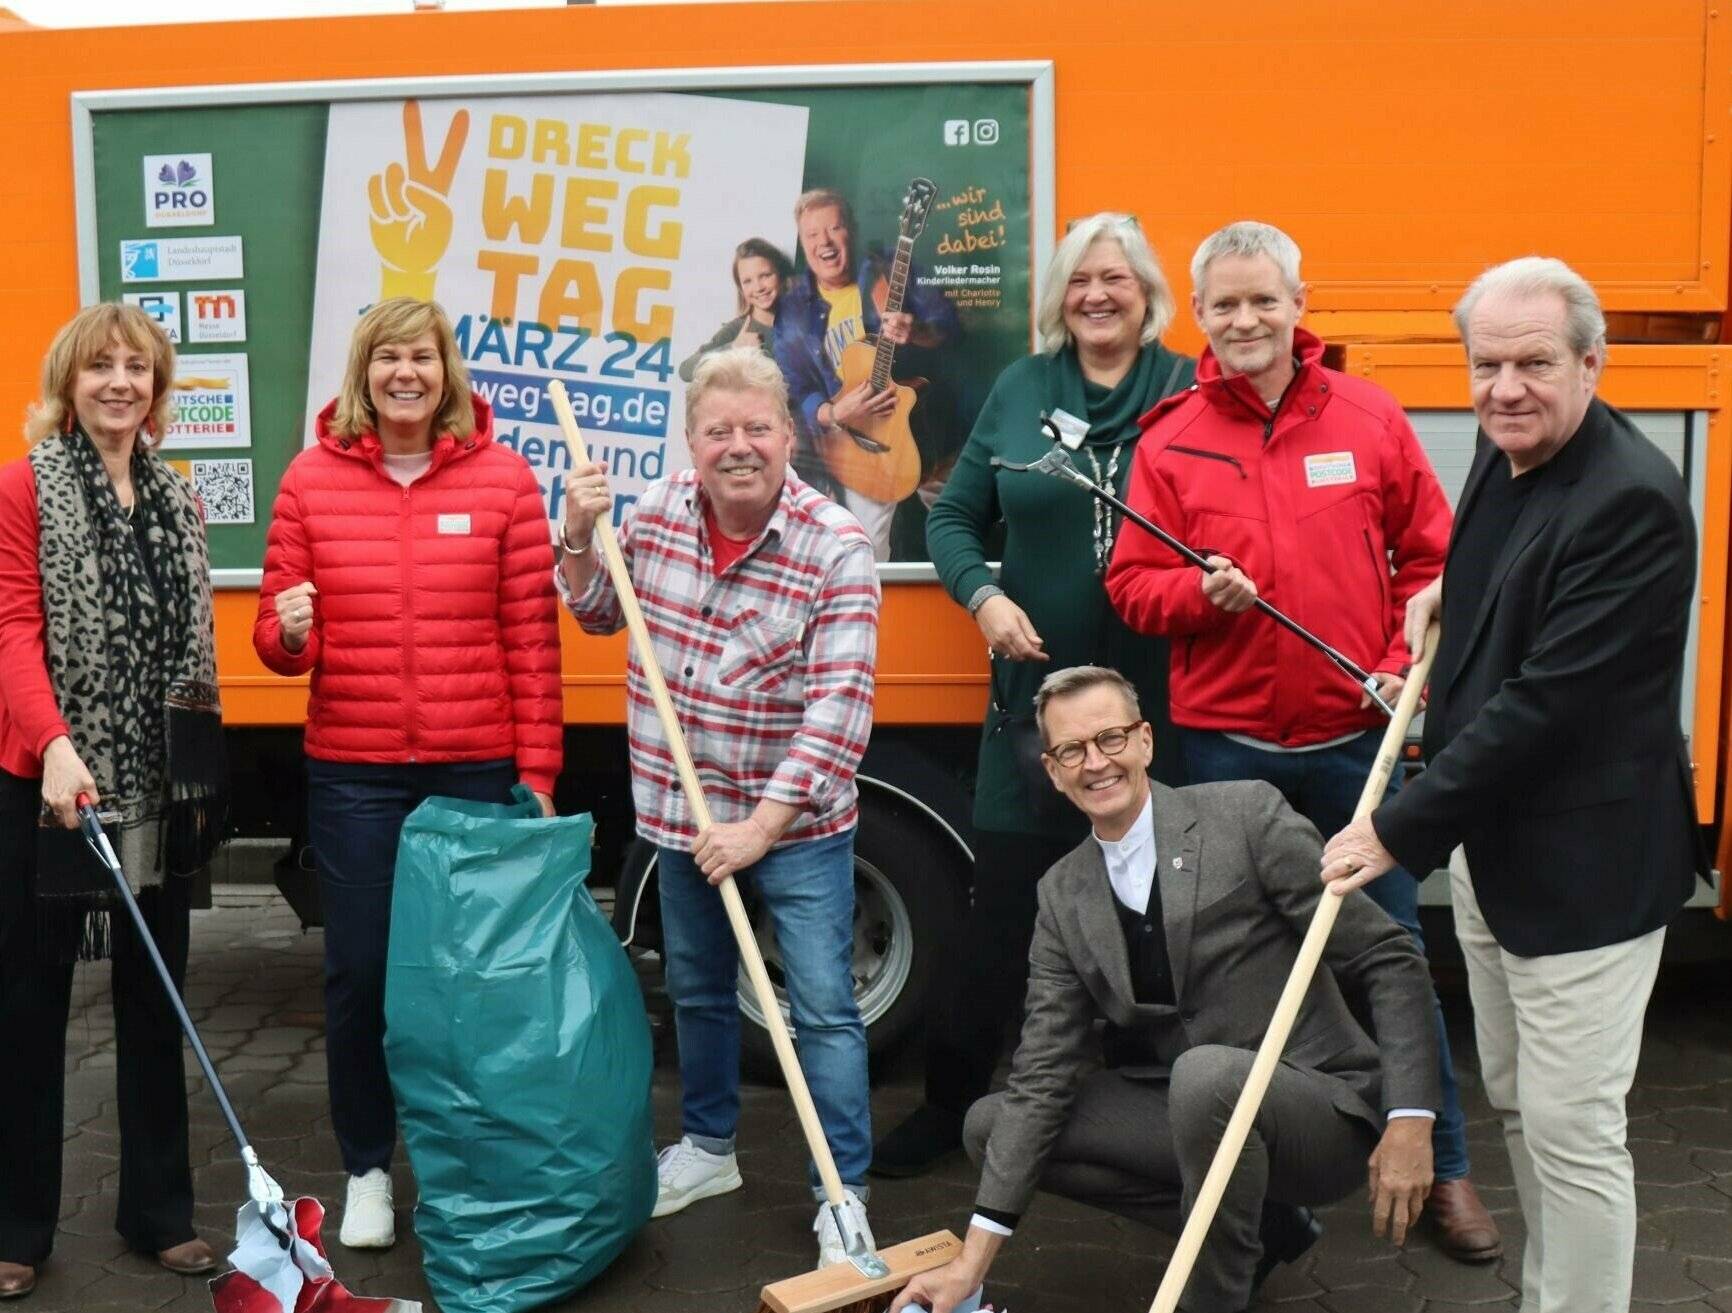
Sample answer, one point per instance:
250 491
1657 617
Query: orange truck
1405 145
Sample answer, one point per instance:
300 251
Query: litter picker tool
1287 1009
867 1280
278 1258
1058 464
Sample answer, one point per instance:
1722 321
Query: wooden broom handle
694 791
1287 1010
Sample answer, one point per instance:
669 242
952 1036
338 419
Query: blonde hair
81 340
1069 253
402 319
821 197
738 369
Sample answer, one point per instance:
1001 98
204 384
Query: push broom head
840 1288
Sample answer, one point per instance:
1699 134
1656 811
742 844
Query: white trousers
874 517
1559 1036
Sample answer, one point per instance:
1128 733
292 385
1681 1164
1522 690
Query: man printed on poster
858 442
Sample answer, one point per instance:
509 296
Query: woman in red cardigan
110 690
409 568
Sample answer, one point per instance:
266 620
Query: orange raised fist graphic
411 217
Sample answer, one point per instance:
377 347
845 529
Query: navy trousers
355 815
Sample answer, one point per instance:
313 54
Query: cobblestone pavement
254 991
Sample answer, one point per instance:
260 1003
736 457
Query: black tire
910 886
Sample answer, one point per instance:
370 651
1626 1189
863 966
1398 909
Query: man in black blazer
1176 924
1557 783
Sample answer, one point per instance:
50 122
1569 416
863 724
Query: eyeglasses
1111 742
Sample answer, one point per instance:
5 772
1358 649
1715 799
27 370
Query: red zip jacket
1329 505
435 632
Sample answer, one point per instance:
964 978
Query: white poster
225 488
211 405
164 307
588 238
177 191
179 259
219 315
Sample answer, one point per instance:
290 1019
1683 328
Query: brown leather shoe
16 1280
1464 1229
191 1259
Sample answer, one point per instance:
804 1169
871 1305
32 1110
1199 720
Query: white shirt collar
1131 860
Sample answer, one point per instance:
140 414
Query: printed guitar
877 457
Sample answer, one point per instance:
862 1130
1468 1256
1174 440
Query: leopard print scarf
132 656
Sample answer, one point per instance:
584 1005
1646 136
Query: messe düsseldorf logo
177 191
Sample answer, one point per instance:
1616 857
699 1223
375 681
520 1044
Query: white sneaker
832 1248
368 1222
686 1174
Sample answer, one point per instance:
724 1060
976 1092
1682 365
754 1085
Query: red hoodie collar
1237 392
445 447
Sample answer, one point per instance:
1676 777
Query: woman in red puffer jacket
409 568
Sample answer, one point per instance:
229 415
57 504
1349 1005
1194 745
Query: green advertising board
242 218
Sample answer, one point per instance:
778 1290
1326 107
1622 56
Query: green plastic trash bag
520 1056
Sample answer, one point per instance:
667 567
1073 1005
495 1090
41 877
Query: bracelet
981 596
569 549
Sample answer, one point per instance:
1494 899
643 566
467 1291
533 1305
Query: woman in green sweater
1103 305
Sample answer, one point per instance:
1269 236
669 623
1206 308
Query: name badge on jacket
458 524
1328 468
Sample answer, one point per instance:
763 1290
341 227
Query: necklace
1103 524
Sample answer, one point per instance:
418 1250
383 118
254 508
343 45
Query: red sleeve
1416 524
288 561
26 690
1152 587
529 628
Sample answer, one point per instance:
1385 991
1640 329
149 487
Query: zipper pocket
1379 567
1212 455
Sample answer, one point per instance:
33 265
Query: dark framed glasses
1111 741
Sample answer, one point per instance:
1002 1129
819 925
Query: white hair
1248 238
1084 233
737 369
1541 275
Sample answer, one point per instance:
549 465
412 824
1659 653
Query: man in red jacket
1309 488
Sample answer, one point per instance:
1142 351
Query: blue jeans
808 889
1324 787
355 815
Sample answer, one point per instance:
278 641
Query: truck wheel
910 887
909 891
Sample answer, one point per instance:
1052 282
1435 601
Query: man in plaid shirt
761 599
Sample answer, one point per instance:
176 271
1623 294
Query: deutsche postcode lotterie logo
178 191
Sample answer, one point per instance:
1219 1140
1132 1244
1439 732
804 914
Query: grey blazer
1238 871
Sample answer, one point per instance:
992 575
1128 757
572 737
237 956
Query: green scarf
1112 413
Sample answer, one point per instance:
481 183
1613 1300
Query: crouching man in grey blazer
1176 923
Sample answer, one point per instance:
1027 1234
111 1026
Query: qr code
226 488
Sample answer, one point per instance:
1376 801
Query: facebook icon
956 132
